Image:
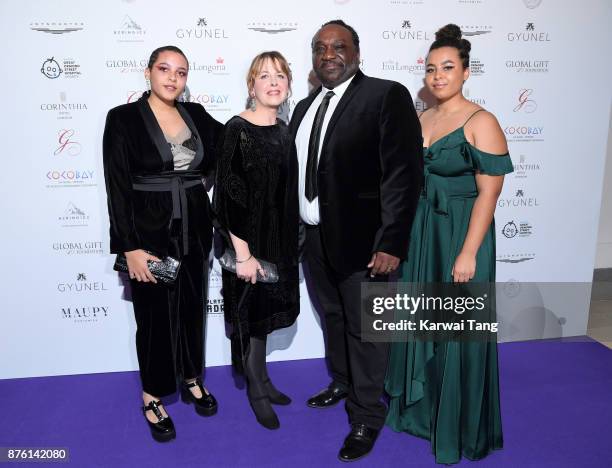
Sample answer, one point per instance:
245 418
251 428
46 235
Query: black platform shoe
163 429
276 396
205 406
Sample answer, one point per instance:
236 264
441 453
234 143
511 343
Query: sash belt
176 182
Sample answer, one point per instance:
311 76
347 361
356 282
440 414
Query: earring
185 95
252 103
148 82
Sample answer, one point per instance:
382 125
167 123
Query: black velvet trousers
171 325
360 366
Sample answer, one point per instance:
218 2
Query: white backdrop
540 65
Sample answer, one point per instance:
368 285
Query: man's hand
383 263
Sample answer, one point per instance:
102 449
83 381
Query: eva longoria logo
56 27
272 27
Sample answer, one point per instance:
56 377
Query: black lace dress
255 198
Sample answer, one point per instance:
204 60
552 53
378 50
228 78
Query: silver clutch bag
165 271
270 272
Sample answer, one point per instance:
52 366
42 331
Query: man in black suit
359 149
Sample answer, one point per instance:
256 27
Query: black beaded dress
255 198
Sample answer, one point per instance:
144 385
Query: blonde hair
277 59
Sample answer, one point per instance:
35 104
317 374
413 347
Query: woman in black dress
256 202
156 153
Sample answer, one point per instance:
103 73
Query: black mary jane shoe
205 406
163 430
275 396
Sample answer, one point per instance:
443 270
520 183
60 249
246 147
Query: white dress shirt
309 210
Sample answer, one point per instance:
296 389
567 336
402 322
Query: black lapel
300 111
346 97
154 130
199 156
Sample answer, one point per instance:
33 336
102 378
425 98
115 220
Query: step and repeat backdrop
539 65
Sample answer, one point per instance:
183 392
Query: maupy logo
525 103
67 145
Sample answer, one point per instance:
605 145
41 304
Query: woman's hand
137 265
464 268
247 271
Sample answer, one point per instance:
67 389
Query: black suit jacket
134 145
370 172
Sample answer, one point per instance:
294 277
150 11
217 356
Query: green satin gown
448 392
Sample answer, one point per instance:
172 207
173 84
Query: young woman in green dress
448 392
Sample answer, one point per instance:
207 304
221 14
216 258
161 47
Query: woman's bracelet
246 260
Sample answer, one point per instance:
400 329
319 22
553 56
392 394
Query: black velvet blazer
370 172
134 146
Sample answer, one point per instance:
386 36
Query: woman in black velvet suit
256 202
156 154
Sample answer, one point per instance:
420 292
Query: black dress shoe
276 396
331 396
163 429
205 406
358 443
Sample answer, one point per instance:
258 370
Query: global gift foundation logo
527 65
57 27
53 68
78 247
127 65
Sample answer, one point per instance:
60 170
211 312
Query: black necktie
311 191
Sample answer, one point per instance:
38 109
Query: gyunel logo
201 31
406 32
530 34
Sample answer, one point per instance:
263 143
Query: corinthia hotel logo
67 144
525 103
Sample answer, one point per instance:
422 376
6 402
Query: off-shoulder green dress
448 392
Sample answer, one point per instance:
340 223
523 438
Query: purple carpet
556 411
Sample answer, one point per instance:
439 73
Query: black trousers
171 324
359 366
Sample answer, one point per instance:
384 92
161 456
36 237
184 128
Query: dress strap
468 119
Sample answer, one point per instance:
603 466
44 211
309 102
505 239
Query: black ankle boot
276 396
163 430
256 391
